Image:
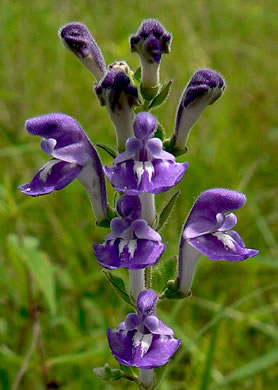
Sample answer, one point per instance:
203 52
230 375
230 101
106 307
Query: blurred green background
230 326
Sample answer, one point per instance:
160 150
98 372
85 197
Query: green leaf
159 133
108 149
251 368
38 264
162 96
167 211
137 74
163 272
209 356
119 286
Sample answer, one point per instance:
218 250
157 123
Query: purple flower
77 38
73 156
204 88
150 41
207 231
143 340
144 166
132 243
118 95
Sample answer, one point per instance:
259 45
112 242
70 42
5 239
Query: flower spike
73 156
207 231
117 93
77 38
150 42
204 88
143 340
132 243
144 166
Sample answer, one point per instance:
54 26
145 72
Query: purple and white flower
119 96
150 42
204 88
132 243
207 231
143 340
144 166
73 157
77 38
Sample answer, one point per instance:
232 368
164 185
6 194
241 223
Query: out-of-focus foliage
229 327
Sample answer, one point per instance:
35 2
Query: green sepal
108 374
159 133
149 93
172 291
108 149
137 74
119 286
169 146
164 271
162 96
105 223
167 211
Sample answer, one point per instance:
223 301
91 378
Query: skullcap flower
150 42
132 243
204 88
144 166
73 156
117 93
77 38
207 231
143 340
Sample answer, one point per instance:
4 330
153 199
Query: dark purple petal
131 254
202 217
201 82
129 207
54 175
121 345
135 177
115 83
151 40
72 144
144 126
77 38
146 302
221 246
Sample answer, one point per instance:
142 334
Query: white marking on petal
144 339
138 169
226 240
131 246
28 189
150 169
46 169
